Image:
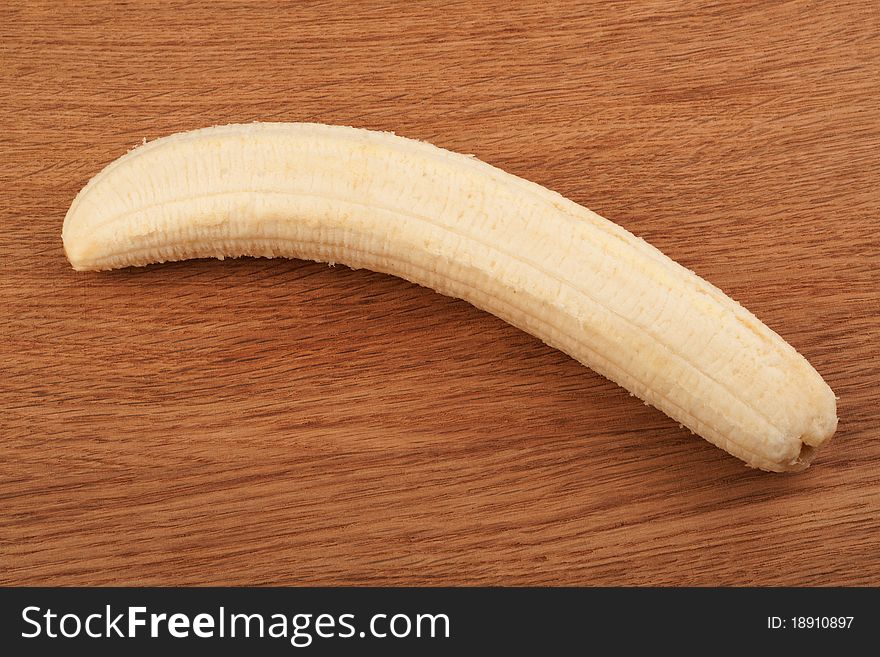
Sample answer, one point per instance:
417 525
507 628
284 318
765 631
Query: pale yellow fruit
466 229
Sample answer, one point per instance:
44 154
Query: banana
466 229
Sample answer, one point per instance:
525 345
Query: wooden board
280 422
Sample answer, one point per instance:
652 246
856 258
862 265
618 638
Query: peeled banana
465 229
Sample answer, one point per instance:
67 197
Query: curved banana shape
465 229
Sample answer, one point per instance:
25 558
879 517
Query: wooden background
278 422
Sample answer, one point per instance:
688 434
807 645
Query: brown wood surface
280 422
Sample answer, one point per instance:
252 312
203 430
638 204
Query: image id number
810 622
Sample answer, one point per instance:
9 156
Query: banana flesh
466 229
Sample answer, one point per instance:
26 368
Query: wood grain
278 422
